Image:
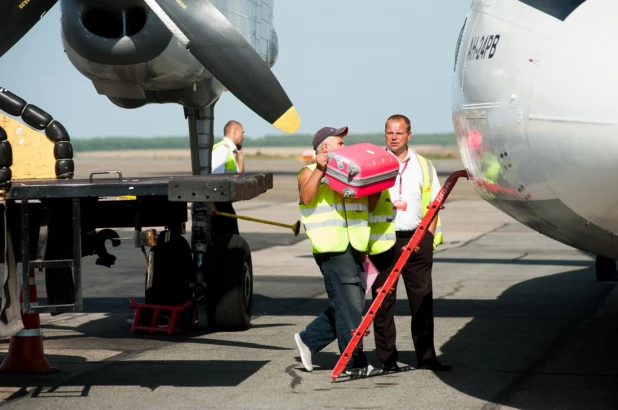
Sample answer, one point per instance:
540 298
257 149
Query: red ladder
358 334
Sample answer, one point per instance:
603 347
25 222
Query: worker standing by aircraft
227 157
340 234
416 186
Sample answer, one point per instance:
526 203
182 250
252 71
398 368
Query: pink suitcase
360 170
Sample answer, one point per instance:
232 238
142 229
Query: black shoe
390 367
434 365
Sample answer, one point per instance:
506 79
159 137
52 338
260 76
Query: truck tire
172 272
229 284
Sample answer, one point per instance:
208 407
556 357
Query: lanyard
401 176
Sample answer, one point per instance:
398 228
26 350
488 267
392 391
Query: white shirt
220 155
411 179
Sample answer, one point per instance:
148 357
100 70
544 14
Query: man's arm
309 181
240 160
432 227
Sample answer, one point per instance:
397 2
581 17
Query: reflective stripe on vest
230 164
427 169
381 222
332 222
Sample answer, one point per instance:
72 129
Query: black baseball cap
326 132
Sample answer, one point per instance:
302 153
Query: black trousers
224 224
416 275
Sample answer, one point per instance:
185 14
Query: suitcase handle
353 168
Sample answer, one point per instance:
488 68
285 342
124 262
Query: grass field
430 151
299 141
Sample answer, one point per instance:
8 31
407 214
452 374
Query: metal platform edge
189 188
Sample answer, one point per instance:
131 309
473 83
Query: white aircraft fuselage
536 115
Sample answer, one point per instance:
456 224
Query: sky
343 62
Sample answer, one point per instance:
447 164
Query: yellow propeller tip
289 122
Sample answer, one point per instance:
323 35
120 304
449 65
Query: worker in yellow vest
340 236
227 157
415 188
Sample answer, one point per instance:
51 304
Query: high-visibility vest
332 221
230 164
427 169
381 222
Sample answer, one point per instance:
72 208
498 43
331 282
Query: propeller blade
17 17
219 47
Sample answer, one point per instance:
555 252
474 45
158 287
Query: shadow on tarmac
512 341
514 351
143 373
501 356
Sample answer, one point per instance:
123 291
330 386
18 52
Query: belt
404 234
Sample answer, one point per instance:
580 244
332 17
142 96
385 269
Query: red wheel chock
159 318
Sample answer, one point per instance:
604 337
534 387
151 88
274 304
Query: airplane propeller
219 47
17 17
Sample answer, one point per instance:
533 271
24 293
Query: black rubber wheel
229 284
173 268
190 318
606 270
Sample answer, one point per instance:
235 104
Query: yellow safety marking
33 152
288 122
129 197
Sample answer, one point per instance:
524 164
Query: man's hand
321 161
240 160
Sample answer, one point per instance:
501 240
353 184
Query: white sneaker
305 353
361 372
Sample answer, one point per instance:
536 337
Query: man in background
227 157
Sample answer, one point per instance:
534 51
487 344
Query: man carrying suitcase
340 234
415 188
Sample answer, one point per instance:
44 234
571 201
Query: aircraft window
459 43
560 9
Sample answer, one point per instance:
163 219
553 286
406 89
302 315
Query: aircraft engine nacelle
131 57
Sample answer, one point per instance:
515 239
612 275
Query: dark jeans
345 283
416 275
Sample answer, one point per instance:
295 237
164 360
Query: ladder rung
61 263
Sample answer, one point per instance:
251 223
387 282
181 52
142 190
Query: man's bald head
234 131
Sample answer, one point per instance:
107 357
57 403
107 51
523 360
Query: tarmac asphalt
519 316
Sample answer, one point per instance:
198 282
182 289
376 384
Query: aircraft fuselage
536 116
